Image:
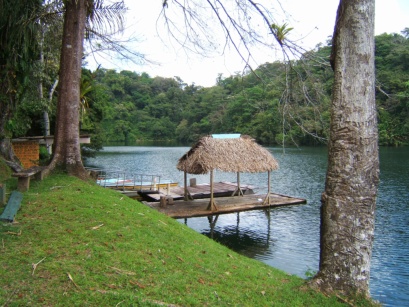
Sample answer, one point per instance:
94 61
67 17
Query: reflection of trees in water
244 240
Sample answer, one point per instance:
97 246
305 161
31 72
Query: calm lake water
288 237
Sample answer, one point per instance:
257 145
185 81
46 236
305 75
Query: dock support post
212 205
186 194
238 190
185 185
267 199
162 202
212 223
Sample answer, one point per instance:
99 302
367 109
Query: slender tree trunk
46 117
348 203
67 152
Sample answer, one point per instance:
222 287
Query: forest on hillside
279 103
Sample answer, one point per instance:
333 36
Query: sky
312 23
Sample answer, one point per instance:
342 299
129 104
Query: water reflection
271 236
390 265
252 242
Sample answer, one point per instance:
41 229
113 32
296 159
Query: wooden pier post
212 204
238 190
185 185
267 199
186 193
162 202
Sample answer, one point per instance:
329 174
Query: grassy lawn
76 244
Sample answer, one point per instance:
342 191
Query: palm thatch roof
238 153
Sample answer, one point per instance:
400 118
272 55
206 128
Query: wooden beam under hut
212 204
238 191
267 199
186 193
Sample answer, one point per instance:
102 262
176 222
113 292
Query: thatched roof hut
238 153
227 153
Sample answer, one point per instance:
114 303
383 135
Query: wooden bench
12 207
23 183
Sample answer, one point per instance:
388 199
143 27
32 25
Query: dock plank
198 207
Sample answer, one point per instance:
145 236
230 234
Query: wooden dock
198 207
198 191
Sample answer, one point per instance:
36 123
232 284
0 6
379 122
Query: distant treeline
277 103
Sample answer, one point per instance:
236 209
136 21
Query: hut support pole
212 205
238 190
186 194
267 199
185 184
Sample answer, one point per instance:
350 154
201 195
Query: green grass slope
76 244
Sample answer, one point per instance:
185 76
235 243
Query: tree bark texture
67 151
349 200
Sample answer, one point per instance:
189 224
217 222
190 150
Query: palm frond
106 19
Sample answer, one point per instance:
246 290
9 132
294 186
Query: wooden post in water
267 199
212 205
186 194
211 189
238 184
185 189
162 202
269 182
238 190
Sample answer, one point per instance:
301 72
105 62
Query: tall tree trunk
348 203
67 152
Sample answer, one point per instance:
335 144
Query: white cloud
313 22
391 16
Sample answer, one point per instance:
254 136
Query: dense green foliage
5 172
281 103
392 72
137 107
17 49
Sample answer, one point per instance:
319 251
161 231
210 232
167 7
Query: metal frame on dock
119 179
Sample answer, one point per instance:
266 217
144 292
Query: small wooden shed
228 153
